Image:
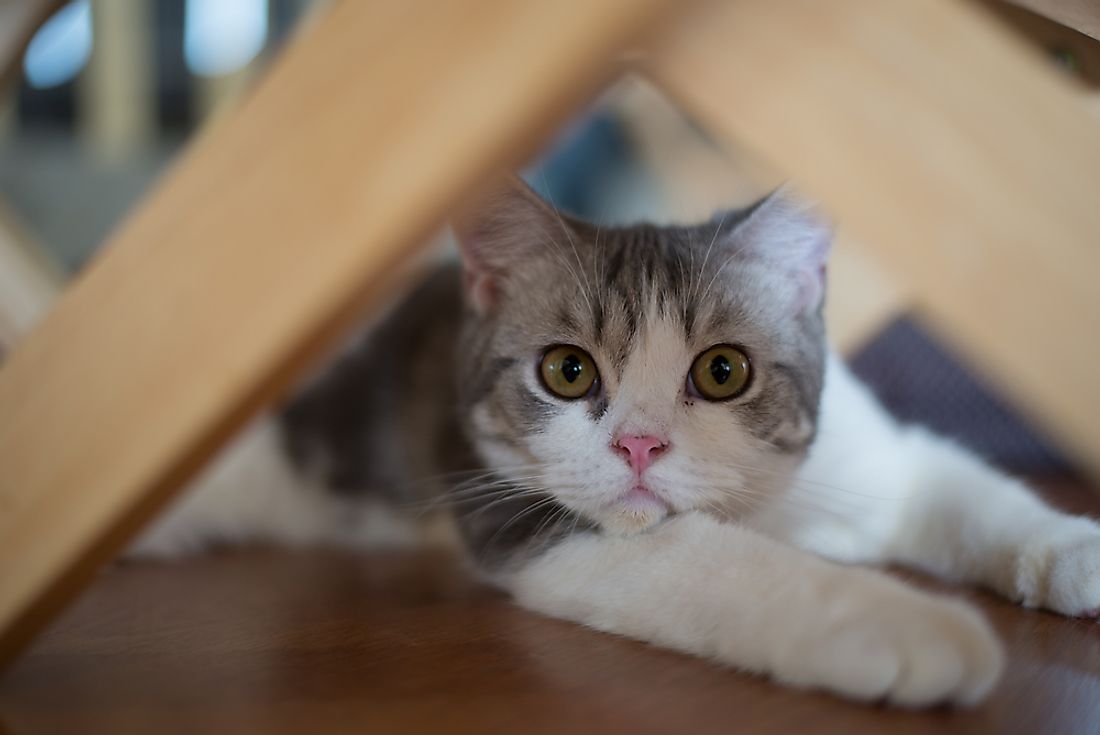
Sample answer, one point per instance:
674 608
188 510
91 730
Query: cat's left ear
790 234
499 235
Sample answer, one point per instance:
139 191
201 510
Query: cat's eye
568 371
720 373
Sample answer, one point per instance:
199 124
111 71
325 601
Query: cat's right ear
792 236
498 234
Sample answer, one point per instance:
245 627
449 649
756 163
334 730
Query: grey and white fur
726 543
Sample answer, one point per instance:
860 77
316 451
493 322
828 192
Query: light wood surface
971 171
863 298
281 223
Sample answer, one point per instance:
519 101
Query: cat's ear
790 234
501 232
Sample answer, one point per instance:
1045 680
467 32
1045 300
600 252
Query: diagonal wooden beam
281 223
1081 15
29 279
1075 53
970 170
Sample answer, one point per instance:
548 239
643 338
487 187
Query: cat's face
636 372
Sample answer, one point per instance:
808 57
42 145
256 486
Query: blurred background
98 99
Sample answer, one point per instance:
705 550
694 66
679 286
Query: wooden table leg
969 169
282 222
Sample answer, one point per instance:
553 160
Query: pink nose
640 451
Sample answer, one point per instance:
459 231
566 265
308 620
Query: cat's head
635 372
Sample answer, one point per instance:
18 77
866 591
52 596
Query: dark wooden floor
323 642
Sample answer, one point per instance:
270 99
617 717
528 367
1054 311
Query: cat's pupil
720 369
571 368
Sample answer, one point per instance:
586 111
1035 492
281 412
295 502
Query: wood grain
968 166
281 223
320 643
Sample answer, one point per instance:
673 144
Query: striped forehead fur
596 287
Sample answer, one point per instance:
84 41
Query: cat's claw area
919 654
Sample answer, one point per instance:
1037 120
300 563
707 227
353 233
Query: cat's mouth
635 510
641 497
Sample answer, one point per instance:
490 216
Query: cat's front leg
873 491
723 592
963 519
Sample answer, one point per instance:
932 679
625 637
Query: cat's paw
907 648
1063 573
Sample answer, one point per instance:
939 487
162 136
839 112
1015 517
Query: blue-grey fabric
919 380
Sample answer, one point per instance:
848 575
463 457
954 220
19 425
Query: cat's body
649 504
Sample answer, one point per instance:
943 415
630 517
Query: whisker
751 503
497 490
466 486
726 262
524 512
796 478
553 249
522 493
710 247
587 286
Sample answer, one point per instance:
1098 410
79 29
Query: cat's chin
633 513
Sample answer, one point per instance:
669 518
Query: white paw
1063 574
901 646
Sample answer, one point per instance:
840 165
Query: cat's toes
1073 582
1064 576
911 653
951 655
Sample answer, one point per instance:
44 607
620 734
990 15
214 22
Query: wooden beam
1075 53
863 298
280 224
29 280
1080 15
696 179
969 168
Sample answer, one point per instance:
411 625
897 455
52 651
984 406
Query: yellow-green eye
719 373
568 371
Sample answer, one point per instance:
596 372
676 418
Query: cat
642 429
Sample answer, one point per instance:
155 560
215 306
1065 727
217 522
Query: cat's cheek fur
573 457
721 591
588 477
720 466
